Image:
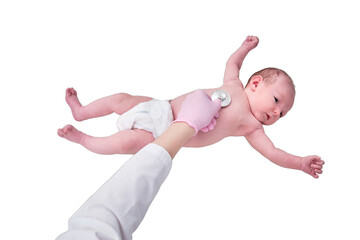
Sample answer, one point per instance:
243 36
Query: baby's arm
259 141
235 61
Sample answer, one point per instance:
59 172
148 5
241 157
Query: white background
163 49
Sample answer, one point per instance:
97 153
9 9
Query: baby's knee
120 97
128 147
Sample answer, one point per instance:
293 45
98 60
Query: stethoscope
223 96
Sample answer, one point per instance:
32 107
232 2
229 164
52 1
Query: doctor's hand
199 111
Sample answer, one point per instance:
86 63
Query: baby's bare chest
236 119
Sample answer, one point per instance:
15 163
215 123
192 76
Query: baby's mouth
267 116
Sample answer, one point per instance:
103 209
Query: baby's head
271 94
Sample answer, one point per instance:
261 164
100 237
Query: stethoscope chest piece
223 96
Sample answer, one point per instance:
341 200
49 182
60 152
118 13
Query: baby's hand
312 165
250 42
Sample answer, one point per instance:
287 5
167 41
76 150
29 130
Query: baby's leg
118 103
123 142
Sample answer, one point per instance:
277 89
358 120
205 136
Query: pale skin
175 137
252 107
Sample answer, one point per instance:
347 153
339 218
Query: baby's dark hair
270 75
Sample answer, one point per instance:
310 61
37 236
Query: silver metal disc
223 96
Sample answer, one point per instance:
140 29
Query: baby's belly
202 139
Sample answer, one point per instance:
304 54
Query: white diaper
154 116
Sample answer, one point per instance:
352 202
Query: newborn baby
268 96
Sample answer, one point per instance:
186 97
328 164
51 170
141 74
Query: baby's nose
277 111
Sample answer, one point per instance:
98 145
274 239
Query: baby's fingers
321 162
316 166
314 175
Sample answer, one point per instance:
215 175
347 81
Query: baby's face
270 102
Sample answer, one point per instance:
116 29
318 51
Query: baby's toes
70 92
60 133
67 129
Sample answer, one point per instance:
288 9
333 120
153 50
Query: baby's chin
266 123
260 118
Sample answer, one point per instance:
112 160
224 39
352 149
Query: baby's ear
255 81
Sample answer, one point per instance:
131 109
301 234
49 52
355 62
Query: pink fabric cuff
189 123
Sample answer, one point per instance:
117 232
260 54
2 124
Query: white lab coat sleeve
115 211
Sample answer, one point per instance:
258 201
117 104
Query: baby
268 96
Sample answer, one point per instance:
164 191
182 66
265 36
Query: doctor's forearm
175 137
118 207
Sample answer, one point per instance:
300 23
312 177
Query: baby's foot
70 133
74 103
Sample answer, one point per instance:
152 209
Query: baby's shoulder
252 126
236 91
247 125
234 84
